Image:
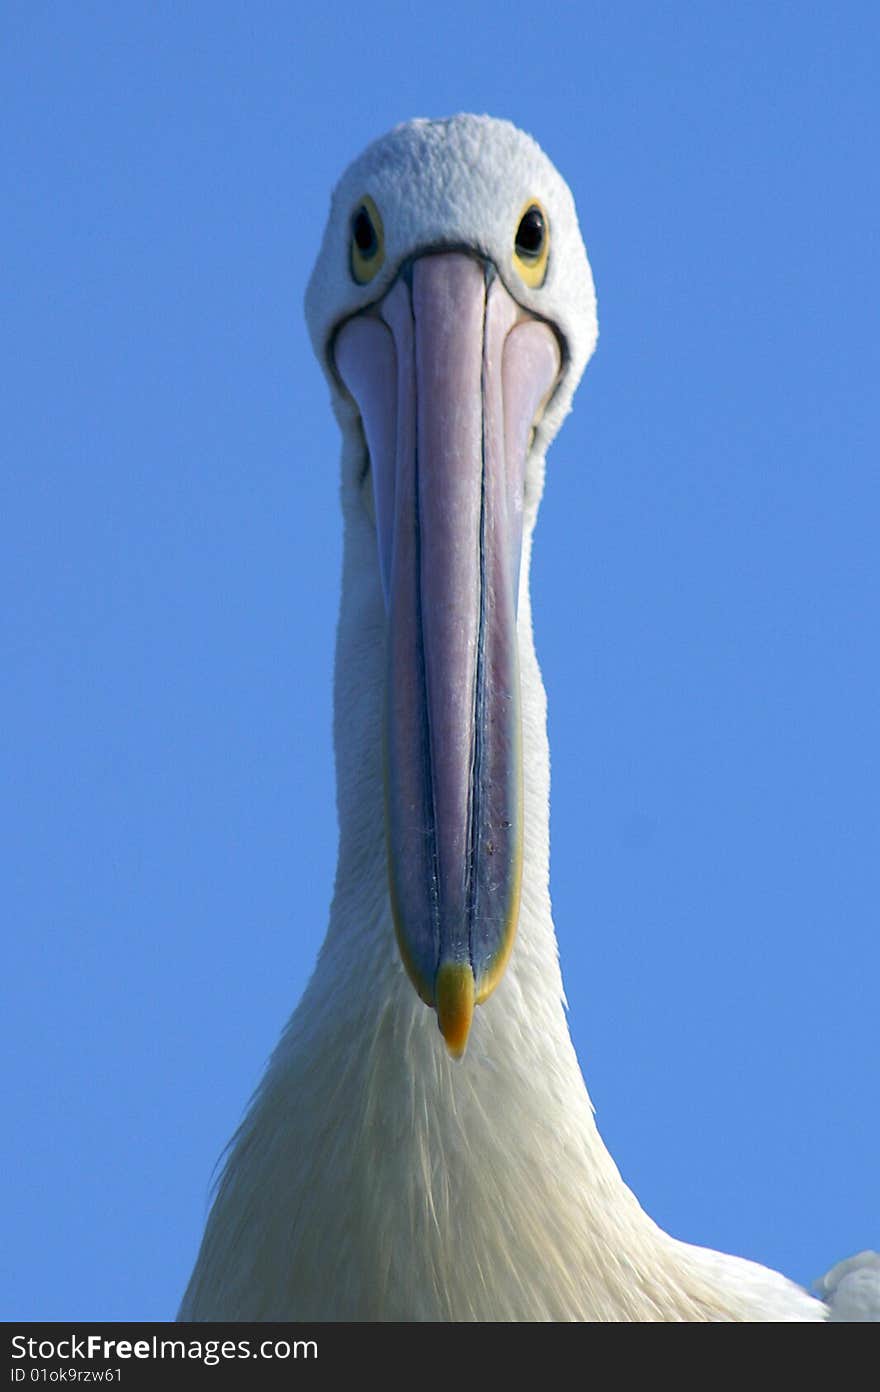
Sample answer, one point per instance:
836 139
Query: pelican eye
364 234
367 241
531 245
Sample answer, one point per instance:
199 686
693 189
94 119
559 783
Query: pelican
422 1145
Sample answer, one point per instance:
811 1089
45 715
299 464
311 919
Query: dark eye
530 234
367 248
364 233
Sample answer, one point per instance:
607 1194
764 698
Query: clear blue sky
706 589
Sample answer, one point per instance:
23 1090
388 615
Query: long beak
449 375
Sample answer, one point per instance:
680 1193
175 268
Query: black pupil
363 232
530 235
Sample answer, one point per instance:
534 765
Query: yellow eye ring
531 245
367 241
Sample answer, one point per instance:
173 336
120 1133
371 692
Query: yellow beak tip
454 993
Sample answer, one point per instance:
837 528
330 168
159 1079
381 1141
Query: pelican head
453 311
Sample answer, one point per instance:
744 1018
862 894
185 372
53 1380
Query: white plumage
374 1176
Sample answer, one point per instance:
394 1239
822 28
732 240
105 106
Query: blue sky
705 588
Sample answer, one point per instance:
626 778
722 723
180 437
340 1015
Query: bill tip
454 996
